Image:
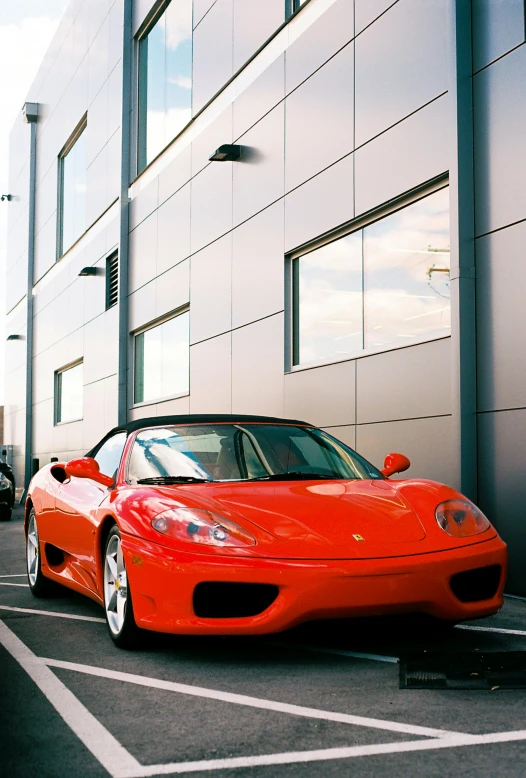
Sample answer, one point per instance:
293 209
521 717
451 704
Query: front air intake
220 600
476 585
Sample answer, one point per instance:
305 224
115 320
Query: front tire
118 607
39 585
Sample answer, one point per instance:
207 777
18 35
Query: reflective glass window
385 285
109 454
162 360
72 167
69 394
165 80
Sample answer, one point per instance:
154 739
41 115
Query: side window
109 454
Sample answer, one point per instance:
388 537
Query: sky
26 30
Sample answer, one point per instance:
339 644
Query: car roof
194 418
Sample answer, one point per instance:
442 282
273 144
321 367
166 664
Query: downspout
463 290
30 114
124 212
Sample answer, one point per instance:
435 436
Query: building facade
353 257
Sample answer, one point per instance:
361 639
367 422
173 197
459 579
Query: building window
162 360
112 280
72 189
165 80
69 387
383 286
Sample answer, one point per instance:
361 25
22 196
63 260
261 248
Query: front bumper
162 584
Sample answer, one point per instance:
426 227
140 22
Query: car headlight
5 483
460 518
200 526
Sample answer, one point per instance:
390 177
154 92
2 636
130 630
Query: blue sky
26 30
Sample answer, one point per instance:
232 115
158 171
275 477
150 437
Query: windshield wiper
297 476
173 479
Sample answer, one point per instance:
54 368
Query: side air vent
112 280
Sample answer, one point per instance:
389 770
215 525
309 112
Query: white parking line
14 575
52 613
252 702
340 652
12 583
325 754
104 747
499 630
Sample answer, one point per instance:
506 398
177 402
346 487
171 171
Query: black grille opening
112 280
54 555
221 600
476 585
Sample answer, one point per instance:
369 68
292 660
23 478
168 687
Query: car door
76 512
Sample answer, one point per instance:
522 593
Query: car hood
306 519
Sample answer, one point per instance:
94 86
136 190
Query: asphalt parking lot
320 701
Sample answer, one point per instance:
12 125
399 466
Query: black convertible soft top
192 418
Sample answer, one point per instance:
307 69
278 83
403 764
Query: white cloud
23 45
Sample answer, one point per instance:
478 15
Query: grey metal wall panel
333 30
347 434
45 248
142 306
257 367
98 60
501 319
498 26
260 97
46 199
16 282
174 230
210 290
173 288
254 23
213 53
319 120
427 443
405 383
500 127
145 203
320 204
258 266
211 204
324 396
414 151
175 175
366 11
141 8
258 176
502 486
201 7
101 347
211 375
218 132
401 64
143 253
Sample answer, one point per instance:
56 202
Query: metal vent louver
112 280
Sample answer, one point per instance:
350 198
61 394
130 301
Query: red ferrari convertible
247 524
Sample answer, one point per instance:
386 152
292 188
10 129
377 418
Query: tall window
162 360
69 387
385 285
72 189
165 80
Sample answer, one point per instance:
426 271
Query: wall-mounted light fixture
14 337
227 153
90 271
6 197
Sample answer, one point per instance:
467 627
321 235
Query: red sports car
247 524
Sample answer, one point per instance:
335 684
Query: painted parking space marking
339 652
12 583
498 630
14 575
104 747
36 612
252 702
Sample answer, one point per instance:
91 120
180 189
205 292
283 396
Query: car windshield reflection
242 452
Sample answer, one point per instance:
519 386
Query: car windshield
242 452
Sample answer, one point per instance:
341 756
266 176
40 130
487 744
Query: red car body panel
332 548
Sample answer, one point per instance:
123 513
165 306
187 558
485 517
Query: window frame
292 276
68 146
57 421
133 373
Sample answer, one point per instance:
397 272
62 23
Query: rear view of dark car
7 489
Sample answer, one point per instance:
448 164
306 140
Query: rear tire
118 606
39 585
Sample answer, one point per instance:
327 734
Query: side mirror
395 463
86 467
